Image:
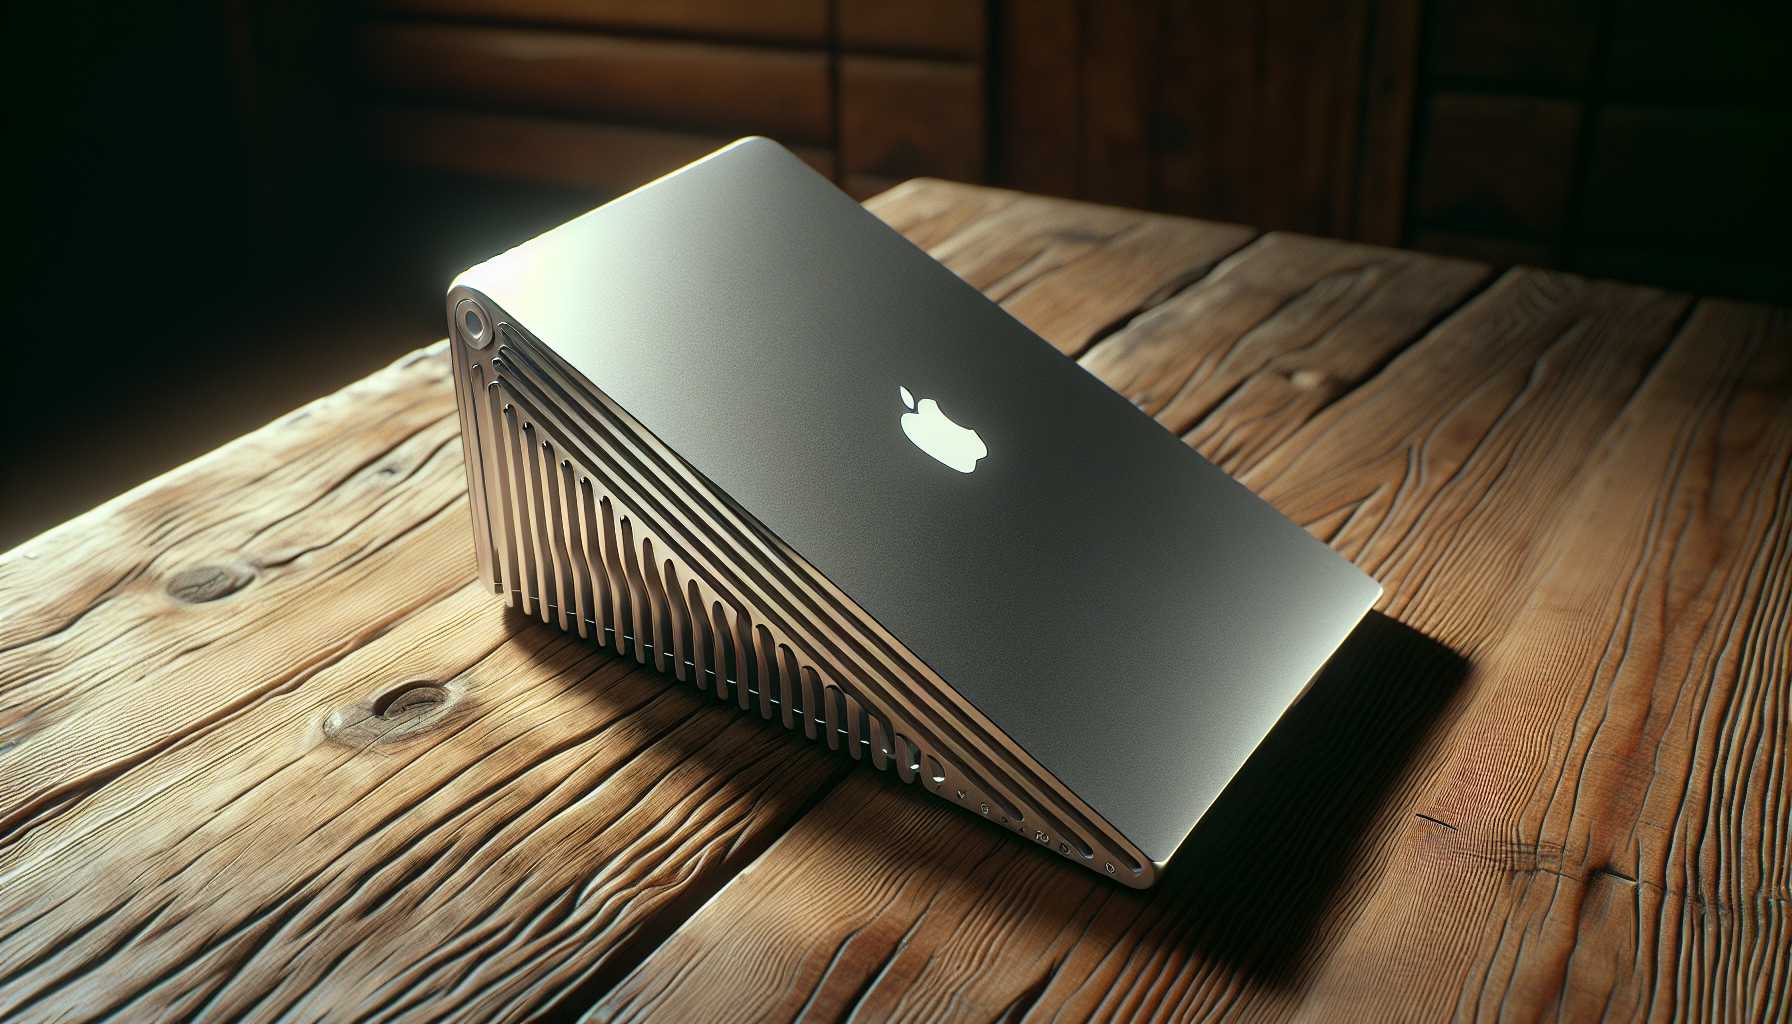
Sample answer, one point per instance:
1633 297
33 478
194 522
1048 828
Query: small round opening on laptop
475 326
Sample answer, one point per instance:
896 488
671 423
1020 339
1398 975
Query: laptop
733 426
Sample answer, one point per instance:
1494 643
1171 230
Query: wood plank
903 118
952 921
266 754
1077 272
1632 865
607 159
1451 500
778 20
748 90
1138 271
276 757
1304 318
930 212
392 694
151 617
1491 250
482 811
369 704
1039 94
935 28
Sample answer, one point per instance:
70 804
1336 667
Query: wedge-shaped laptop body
735 427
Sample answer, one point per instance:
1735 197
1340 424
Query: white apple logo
933 432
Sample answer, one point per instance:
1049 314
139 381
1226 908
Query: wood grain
1258 111
937 28
341 730
1074 272
1286 318
1039 97
266 672
901 117
773 20
1548 42
704 86
266 751
1633 862
1115 69
1457 505
1390 95
607 159
1498 165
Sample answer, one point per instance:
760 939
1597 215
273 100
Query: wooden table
266 748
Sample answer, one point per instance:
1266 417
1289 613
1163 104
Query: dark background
221 211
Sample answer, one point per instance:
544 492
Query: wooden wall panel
1117 64
1039 97
1640 139
896 92
1275 114
902 118
1496 252
1735 270
864 186
1507 131
608 159
744 89
1390 102
1514 40
1741 49
787 20
1205 111
940 28
1258 113
1690 173
1497 165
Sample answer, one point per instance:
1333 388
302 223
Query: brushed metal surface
1125 615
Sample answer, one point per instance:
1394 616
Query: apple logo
933 432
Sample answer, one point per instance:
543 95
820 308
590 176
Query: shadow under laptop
1258 874
1250 886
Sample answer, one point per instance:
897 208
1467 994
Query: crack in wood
1171 290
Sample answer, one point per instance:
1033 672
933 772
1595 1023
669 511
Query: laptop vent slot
590 525
589 564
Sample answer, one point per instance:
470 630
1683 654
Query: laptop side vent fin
586 521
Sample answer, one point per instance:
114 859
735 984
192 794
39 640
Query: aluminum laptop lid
1123 610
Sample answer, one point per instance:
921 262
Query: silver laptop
733 426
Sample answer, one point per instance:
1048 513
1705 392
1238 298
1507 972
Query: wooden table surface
267 749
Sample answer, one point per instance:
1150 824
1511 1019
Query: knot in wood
409 700
402 711
204 583
1312 380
